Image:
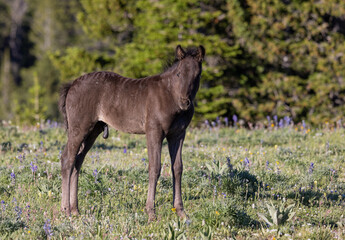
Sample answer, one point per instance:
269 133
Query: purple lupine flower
124 150
33 167
48 228
224 195
268 119
28 209
207 123
235 119
267 165
3 206
275 118
281 123
246 161
18 211
95 173
13 176
21 157
287 120
226 120
311 168
218 121
303 124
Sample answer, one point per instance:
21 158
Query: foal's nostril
185 103
188 103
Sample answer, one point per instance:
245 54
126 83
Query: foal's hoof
152 215
75 212
66 211
152 218
182 214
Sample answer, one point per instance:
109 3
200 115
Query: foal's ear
201 53
179 53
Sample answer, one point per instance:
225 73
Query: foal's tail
62 101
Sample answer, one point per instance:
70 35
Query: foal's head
187 72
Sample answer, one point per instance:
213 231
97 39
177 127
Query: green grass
270 170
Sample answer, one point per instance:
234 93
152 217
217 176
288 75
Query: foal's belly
124 123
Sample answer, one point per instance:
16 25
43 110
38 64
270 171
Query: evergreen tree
53 27
297 47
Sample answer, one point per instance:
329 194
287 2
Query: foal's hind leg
86 145
68 159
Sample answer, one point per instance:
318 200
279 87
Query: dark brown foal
160 106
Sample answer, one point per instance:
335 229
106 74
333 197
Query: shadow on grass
311 197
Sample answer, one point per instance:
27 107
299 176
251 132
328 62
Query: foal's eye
178 74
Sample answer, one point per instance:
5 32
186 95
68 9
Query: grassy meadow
285 182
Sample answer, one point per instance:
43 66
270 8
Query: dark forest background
264 57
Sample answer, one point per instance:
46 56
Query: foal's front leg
154 147
175 144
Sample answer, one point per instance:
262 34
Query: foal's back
121 102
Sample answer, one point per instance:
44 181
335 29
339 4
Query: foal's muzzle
185 104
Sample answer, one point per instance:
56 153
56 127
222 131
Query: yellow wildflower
217 212
173 209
